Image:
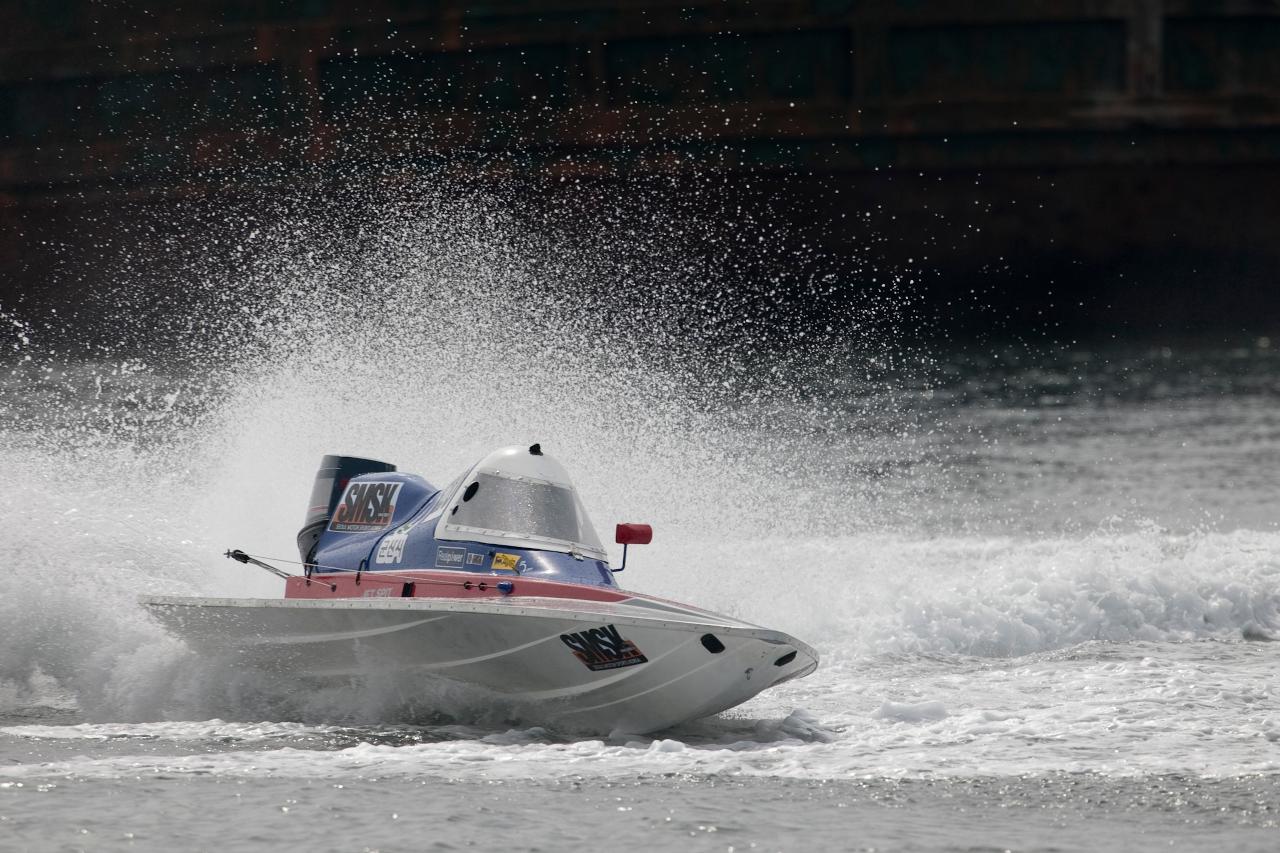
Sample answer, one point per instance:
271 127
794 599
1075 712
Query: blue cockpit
514 513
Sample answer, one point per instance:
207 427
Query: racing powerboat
498 582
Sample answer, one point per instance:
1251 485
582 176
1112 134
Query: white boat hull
611 667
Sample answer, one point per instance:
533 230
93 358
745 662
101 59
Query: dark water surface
1053 812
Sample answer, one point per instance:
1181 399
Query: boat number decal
391 548
365 506
505 562
475 559
603 648
449 557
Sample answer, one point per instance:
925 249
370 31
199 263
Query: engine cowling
331 481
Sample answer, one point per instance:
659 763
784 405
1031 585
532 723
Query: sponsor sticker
603 648
505 562
449 557
365 506
391 548
474 559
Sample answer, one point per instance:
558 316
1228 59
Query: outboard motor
331 481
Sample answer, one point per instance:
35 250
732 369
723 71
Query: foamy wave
177 732
989 596
1013 597
966 745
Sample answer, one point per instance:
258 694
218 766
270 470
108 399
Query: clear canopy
526 511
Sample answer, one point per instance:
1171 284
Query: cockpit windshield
500 505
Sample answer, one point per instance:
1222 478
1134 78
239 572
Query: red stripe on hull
427 584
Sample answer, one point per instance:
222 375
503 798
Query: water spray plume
757 406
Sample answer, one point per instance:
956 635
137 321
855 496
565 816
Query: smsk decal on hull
603 648
365 506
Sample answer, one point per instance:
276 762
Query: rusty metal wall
98 96
88 89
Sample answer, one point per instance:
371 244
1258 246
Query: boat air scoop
332 478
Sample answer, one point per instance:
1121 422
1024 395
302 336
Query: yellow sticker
505 562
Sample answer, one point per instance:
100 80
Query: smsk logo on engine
365 506
603 648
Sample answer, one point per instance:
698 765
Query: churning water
1042 580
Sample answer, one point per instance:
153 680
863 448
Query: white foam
912 712
1204 708
175 732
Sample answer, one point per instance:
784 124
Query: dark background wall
1114 163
